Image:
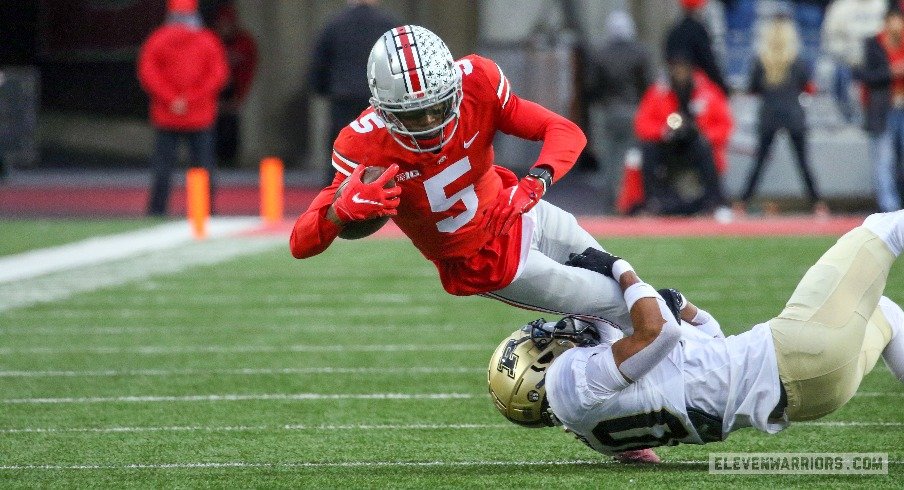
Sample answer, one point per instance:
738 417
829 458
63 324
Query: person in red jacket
182 66
683 126
431 124
241 51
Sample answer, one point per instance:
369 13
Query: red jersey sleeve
562 139
312 232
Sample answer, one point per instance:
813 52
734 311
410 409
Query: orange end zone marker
197 187
271 188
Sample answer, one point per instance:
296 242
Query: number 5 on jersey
439 202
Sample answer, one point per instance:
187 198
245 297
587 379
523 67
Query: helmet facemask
408 128
416 88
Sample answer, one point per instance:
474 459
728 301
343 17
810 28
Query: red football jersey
445 194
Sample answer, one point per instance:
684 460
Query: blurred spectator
684 126
339 60
182 66
883 75
691 36
618 73
780 77
846 26
241 53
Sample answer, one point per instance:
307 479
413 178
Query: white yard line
237 372
250 428
189 258
238 397
336 427
280 327
340 464
238 349
279 397
60 272
114 247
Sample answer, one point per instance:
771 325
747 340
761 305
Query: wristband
619 267
542 175
638 291
701 317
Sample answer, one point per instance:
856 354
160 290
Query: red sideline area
609 226
107 201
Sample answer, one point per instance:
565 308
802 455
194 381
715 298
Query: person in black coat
780 77
618 73
690 35
338 68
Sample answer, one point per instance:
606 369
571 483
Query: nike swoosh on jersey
359 200
470 141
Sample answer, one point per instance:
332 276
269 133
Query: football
354 230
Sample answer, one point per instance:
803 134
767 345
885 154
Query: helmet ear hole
546 358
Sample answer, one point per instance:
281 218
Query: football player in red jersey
431 123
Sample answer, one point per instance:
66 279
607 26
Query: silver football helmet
517 372
416 87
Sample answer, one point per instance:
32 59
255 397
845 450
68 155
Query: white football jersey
703 390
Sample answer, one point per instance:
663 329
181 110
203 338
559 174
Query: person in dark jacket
337 69
182 66
779 77
690 35
882 75
618 74
241 52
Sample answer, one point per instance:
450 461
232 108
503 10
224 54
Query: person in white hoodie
847 24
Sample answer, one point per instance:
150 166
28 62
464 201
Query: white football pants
544 283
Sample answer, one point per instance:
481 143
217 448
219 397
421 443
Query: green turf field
22 235
354 369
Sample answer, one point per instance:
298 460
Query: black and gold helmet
517 372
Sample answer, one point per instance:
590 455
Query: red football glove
361 201
511 203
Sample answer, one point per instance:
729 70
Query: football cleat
638 456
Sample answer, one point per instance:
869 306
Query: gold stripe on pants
831 332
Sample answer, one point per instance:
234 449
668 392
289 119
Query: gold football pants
831 332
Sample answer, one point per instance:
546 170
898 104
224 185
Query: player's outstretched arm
319 226
656 330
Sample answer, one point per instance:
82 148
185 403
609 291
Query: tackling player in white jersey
665 384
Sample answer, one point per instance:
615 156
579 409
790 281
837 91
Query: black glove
674 299
594 260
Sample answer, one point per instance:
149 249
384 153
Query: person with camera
683 125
